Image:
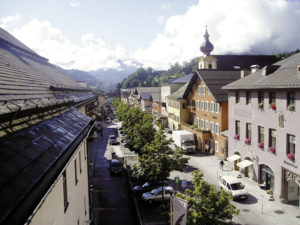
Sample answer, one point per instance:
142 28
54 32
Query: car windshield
189 143
155 191
237 186
145 185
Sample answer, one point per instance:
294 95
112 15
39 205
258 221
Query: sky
107 34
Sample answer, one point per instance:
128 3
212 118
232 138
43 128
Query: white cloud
161 19
74 4
165 6
92 54
8 19
248 26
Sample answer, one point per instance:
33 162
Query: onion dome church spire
206 46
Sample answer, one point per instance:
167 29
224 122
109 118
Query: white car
234 186
156 195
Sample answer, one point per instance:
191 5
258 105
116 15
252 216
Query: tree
205 206
157 160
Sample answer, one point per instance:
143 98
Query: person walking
221 164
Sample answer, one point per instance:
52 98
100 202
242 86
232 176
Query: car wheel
150 201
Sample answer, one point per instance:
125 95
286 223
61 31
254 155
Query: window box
273 106
261 105
248 141
237 137
272 149
291 107
291 156
261 145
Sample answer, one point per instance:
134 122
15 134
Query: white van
234 186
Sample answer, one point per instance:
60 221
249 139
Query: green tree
157 160
205 205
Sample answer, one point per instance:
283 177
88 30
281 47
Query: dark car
116 166
113 139
148 186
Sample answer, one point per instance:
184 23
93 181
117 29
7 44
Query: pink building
264 127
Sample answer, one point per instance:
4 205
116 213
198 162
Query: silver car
156 195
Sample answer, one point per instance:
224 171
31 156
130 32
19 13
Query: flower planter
272 149
273 107
248 141
237 137
291 156
291 107
261 105
261 145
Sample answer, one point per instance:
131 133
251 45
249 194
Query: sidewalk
271 212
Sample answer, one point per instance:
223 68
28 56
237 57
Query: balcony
192 108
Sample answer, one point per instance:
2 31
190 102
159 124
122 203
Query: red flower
272 149
291 156
260 144
273 106
237 137
248 141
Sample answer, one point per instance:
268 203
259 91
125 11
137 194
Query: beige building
43 140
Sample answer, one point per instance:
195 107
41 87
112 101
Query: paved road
110 200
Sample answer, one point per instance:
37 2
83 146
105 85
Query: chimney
254 68
242 73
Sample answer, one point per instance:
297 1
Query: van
234 186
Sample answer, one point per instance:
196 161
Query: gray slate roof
182 80
26 75
145 96
177 95
214 81
228 62
283 75
30 162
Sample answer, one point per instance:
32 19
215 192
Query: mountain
92 82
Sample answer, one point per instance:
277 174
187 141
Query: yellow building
177 108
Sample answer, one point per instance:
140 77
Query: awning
245 163
233 158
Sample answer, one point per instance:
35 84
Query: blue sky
98 34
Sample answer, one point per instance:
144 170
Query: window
75 167
248 98
202 124
260 100
202 105
206 106
206 125
272 138
217 130
203 90
272 97
248 130
212 127
199 90
237 97
198 122
237 127
291 101
291 144
65 191
184 105
212 106
80 169
261 135
216 146
217 107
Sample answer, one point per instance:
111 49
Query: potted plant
273 106
261 145
248 141
291 107
261 105
291 156
237 137
272 149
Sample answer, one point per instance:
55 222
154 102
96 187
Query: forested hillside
151 78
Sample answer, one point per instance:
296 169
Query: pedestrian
221 164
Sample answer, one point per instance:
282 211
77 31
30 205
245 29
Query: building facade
264 127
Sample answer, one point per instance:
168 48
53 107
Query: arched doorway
237 161
249 169
266 176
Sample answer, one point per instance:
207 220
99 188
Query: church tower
207 61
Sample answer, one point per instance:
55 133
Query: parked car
108 120
148 186
116 166
156 195
234 186
113 139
